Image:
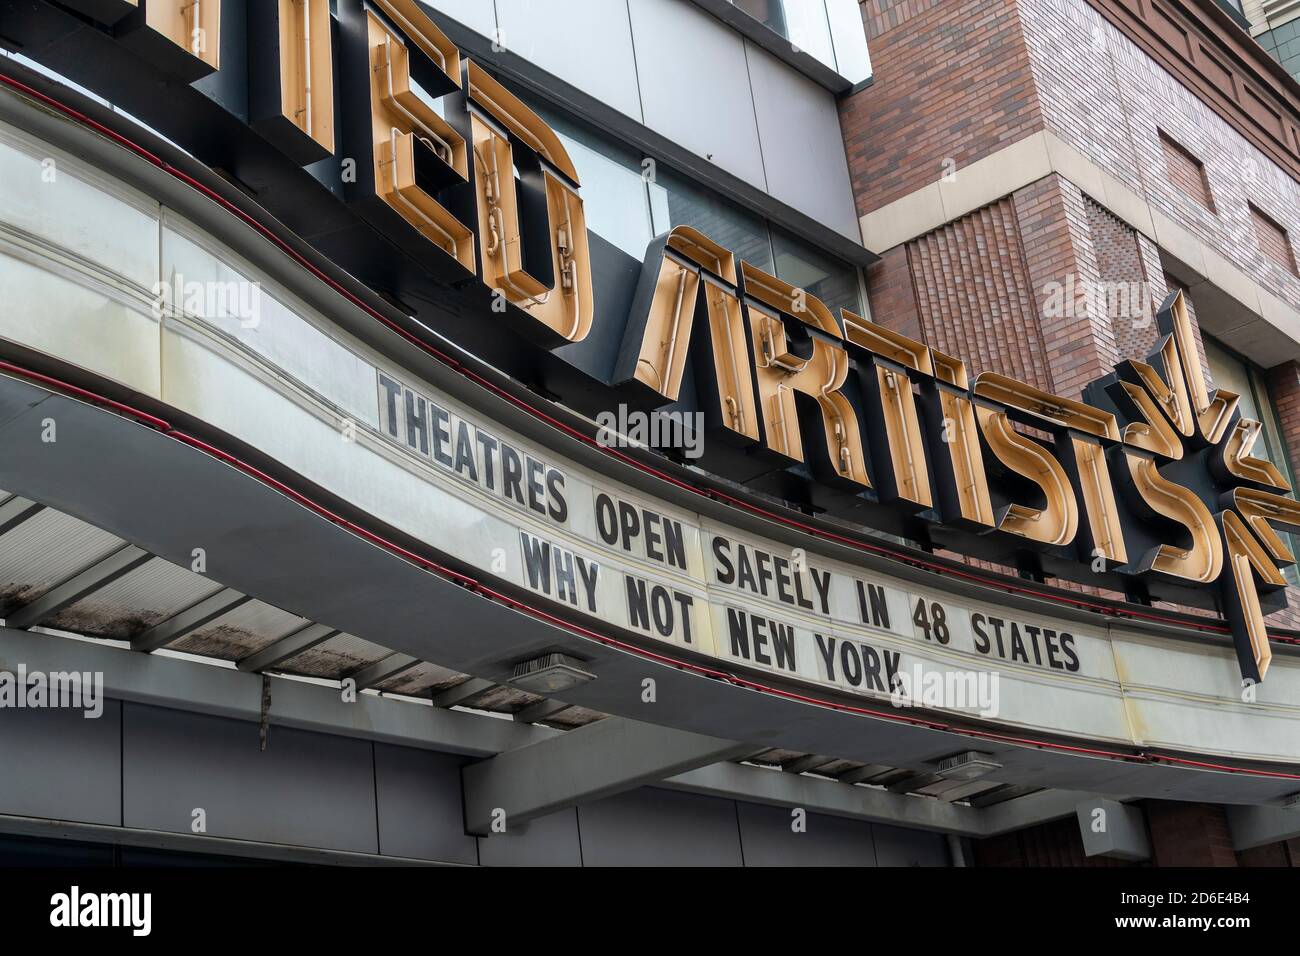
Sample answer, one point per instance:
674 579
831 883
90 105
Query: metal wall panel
682 73
768 840
548 841
419 805
306 789
587 43
803 153
651 827
60 764
318 790
695 86
478 15
896 846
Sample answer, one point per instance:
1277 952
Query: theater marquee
429 174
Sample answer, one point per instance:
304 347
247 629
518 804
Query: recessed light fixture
969 765
549 674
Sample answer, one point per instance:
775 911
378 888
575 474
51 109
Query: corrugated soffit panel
45 550
240 632
335 658
134 602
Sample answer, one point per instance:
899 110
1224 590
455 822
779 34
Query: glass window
802 22
629 199
1235 374
852 59
830 31
832 280
613 188
678 202
613 197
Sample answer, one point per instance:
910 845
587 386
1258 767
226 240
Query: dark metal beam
806 763
103 572
15 510
968 790
542 710
465 690
991 798
383 669
600 759
286 647
864 774
818 795
913 782
162 681
189 620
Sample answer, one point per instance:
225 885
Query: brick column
1153 271
893 296
1129 264
1057 240
1284 386
1189 834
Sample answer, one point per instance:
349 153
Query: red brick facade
1186 172
993 290
1049 844
928 102
1189 834
1180 834
1273 239
1047 283
1102 93
957 81
991 285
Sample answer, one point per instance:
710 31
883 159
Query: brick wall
1063 265
1015 273
1181 834
959 80
981 287
1122 265
951 82
976 268
1185 171
1273 240
1189 834
1100 92
1049 844
1284 385
892 294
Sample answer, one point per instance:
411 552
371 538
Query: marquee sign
1144 485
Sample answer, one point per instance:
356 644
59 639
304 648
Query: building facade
1085 150
331 338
